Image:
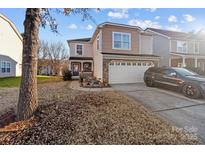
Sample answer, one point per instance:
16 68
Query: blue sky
71 27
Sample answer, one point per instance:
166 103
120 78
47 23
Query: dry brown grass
95 118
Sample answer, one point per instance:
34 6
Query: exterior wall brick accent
106 70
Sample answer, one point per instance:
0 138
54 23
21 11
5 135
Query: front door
76 69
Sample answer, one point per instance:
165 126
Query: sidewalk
75 85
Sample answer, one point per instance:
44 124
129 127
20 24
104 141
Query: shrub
67 75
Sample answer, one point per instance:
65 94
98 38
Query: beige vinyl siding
11 45
191 46
97 58
107 33
202 47
146 44
86 51
161 48
173 45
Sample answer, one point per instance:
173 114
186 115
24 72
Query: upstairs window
5 67
121 41
181 46
79 49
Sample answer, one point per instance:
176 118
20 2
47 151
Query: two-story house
178 49
116 53
10 48
81 56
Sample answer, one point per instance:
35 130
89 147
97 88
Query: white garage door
127 72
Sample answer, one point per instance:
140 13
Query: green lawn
15 81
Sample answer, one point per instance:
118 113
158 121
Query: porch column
195 62
92 66
69 66
81 68
183 62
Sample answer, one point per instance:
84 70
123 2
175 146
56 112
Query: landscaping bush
197 70
67 75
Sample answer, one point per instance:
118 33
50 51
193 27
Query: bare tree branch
52 54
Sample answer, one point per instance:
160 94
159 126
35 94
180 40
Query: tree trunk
28 102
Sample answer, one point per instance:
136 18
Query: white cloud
172 18
89 27
118 13
173 28
188 18
72 26
144 23
157 17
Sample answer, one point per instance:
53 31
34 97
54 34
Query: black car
189 83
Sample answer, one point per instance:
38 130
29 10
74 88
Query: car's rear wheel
149 82
191 91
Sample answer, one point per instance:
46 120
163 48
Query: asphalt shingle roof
81 40
169 33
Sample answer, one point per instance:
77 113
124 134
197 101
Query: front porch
81 66
185 60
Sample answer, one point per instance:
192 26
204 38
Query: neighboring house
44 67
116 53
81 56
47 67
10 48
178 49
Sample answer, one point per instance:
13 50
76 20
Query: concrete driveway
181 111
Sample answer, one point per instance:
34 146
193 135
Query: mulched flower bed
96 118
92 82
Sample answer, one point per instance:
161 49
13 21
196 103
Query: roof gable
170 34
121 25
12 26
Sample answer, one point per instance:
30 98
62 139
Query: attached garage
128 71
126 68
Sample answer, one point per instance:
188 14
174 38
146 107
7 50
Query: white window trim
76 49
121 40
7 62
186 51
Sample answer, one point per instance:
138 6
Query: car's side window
169 72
